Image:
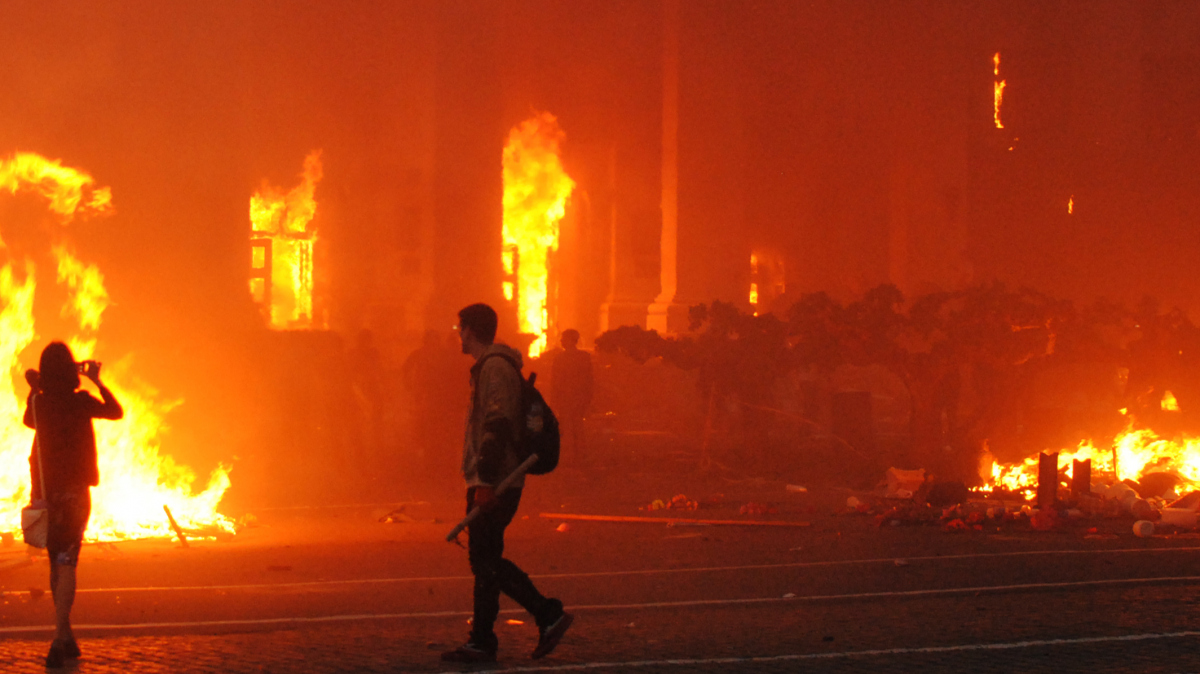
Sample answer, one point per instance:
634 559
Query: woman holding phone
61 414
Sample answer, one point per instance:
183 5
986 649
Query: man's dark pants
495 574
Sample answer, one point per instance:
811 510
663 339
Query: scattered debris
1180 517
175 526
514 621
563 528
943 494
753 508
904 483
789 595
248 521
797 488
398 516
1143 528
677 502
1191 502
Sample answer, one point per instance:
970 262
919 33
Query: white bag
35 517
35 524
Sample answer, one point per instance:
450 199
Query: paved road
335 591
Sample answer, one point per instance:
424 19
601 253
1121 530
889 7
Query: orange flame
536 189
136 479
1137 453
997 91
284 222
1169 403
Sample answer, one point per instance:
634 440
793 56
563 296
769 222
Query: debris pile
912 498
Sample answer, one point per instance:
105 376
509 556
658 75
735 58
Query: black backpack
539 435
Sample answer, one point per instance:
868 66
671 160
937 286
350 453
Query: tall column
656 318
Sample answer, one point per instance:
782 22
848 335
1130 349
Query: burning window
282 236
767 278
536 189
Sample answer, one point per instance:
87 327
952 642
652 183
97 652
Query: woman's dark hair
59 373
482 321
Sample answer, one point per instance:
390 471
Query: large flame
284 221
136 480
536 189
1136 453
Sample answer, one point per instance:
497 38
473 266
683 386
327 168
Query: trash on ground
904 483
754 508
1143 528
677 502
1180 517
563 528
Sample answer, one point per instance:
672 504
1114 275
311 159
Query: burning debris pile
137 480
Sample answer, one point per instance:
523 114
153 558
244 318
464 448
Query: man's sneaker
470 652
552 634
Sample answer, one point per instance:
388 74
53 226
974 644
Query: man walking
489 455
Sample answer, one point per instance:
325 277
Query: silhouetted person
571 387
435 385
489 455
366 385
62 416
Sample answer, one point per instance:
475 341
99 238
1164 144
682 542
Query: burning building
679 152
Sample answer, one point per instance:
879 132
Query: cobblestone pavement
1111 630
351 595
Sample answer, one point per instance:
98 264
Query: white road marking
642 572
249 622
694 662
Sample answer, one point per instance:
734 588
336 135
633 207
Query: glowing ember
536 189
135 479
997 92
1071 205
282 237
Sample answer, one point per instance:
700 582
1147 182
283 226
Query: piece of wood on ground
175 526
677 521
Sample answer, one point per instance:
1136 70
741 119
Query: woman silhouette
62 416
